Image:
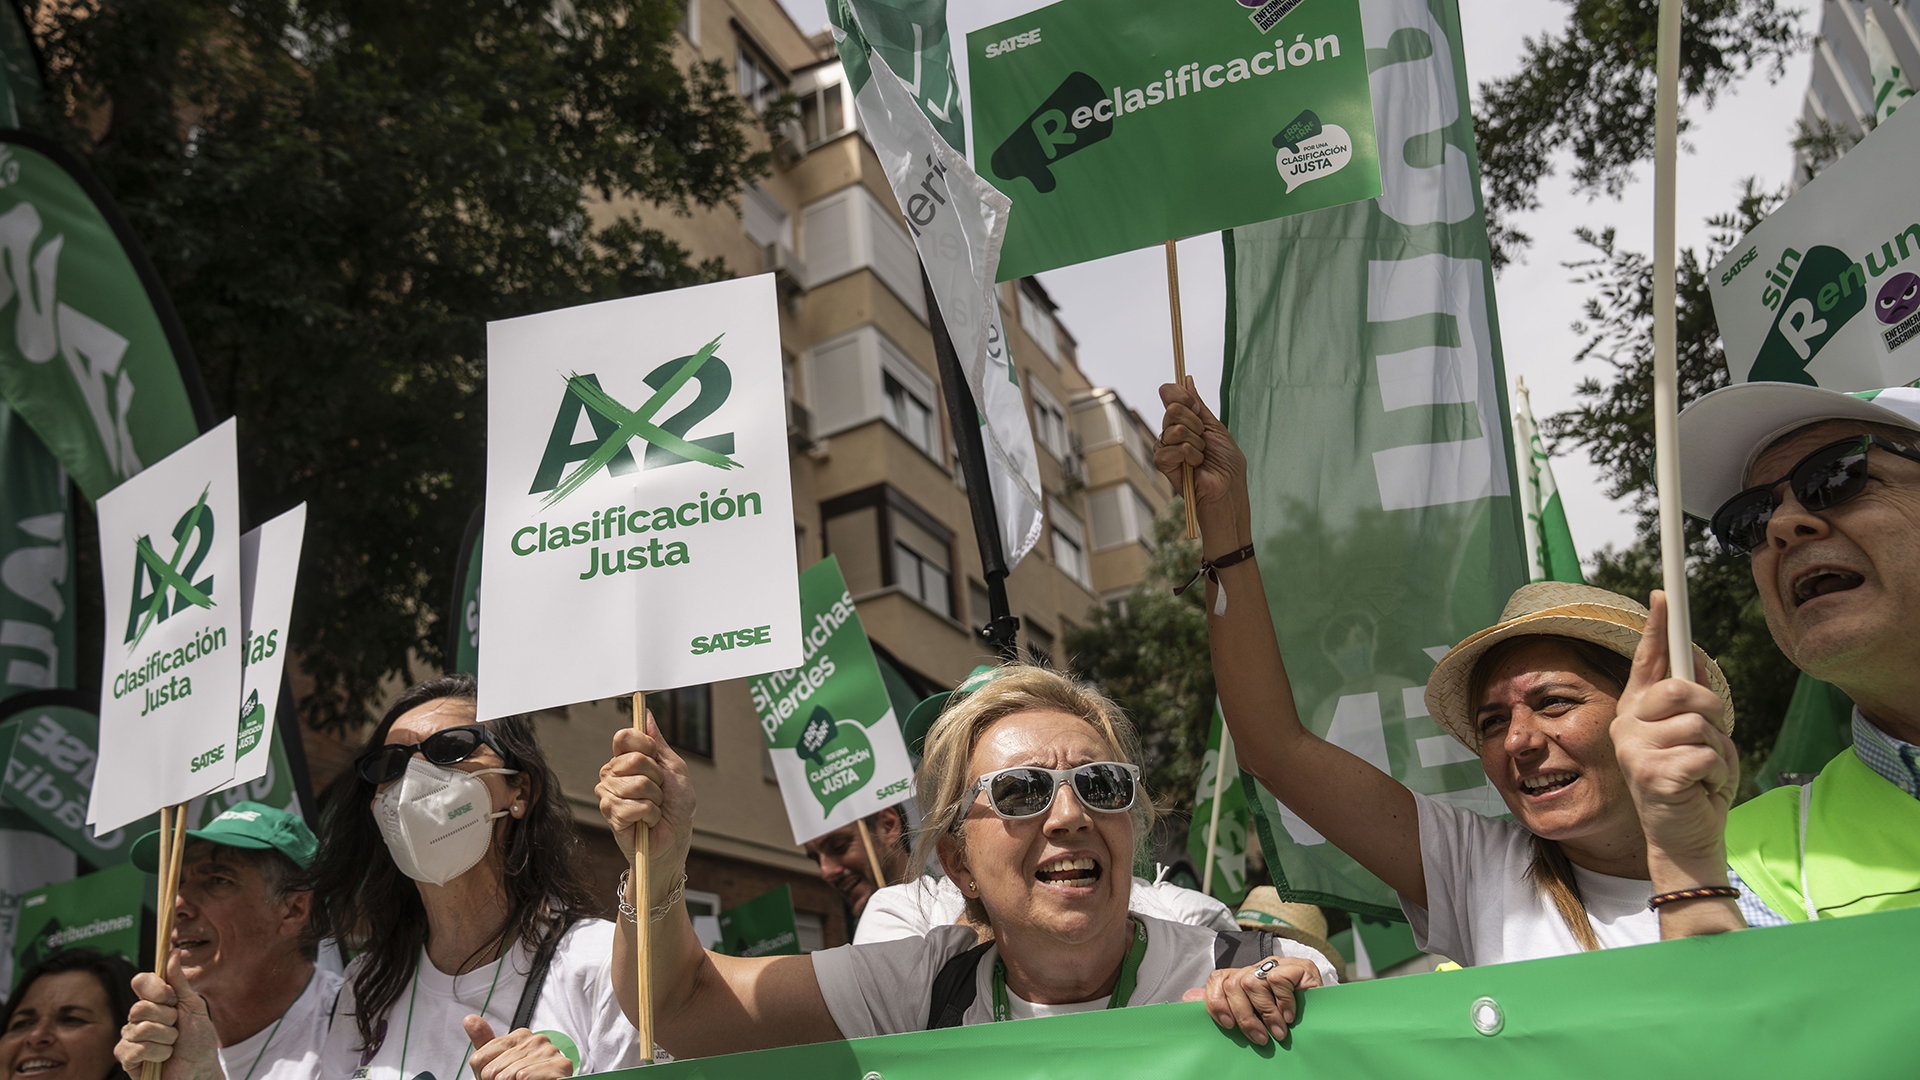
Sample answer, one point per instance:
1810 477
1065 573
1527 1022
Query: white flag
1890 85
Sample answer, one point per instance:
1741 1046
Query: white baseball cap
1722 433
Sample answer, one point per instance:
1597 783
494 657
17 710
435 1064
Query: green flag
911 36
91 354
1230 842
100 911
763 926
1364 383
1818 725
1116 124
20 64
463 617
1890 84
37 610
1550 552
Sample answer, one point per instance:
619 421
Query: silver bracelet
630 913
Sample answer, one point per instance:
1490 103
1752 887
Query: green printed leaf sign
763 926
1116 124
101 911
828 722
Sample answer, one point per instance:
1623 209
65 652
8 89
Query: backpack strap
1242 948
954 988
537 977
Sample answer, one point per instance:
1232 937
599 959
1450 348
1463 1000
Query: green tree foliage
339 195
1588 92
1150 656
1614 421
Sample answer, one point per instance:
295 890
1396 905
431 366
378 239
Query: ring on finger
1266 966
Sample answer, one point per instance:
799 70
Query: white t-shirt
1482 909
577 1003
288 1049
887 987
913 909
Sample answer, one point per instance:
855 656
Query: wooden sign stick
873 862
1180 376
642 902
173 846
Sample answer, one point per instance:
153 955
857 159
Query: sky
1116 308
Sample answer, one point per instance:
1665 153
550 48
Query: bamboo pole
873 861
173 846
1666 392
1180 376
1213 821
642 901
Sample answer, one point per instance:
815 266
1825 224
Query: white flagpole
1666 383
1213 822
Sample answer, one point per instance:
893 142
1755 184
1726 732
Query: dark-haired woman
1532 697
448 868
64 1016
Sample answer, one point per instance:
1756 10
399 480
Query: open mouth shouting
36 1066
1070 872
1546 783
1823 581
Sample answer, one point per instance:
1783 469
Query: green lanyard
407 1037
1122 990
276 1027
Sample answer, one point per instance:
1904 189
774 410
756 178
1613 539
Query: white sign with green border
639 518
269 566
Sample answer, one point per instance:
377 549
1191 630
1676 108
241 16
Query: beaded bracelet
1701 893
1210 569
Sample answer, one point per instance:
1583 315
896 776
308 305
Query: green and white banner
269 566
29 859
828 721
1364 381
463 616
100 911
639 518
1116 124
957 221
170 694
1890 86
1826 290
1230 843
1551 555
763 926
1715 1006
52 753
37 611
91 355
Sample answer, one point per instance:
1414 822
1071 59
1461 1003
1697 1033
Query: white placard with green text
269 566
639 519
170 693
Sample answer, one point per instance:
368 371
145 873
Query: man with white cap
1823 490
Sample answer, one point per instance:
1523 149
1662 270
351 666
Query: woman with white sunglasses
1029 791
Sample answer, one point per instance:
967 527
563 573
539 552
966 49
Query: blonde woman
1030 794
1534 697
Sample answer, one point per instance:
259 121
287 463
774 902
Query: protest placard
52 756
170 563
1826 290
763 926
98 911
639 518
1115 124
269 565
828 722
29 859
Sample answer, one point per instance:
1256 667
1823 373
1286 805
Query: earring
973 886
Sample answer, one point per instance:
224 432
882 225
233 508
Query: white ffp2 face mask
435 820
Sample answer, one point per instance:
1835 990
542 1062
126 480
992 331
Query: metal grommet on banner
1486 1015
872 1076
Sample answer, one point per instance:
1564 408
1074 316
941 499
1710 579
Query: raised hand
1257 1000
645 785
169 1024
1190 435
517 1055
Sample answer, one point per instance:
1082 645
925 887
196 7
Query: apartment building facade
875 477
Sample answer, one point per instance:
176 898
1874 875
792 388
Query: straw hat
1264 910
1562 609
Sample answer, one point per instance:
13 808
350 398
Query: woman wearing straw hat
1533 696
1029 792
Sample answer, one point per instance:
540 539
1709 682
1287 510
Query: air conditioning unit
799 426
791 142
790 274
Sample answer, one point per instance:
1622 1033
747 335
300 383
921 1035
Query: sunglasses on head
385 764
1026 791
1821 481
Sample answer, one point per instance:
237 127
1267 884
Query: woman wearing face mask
1029 793
446 864
1533 697
64 1016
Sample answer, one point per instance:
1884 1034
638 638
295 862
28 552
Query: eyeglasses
1821 481
385 764
1025 791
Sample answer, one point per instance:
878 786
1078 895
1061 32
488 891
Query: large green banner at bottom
1825 999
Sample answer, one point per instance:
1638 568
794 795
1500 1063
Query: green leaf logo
253 723
839 757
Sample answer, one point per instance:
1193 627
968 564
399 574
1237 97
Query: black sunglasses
385 764
1821 481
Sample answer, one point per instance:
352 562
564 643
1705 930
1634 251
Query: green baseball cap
920 720
250 825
